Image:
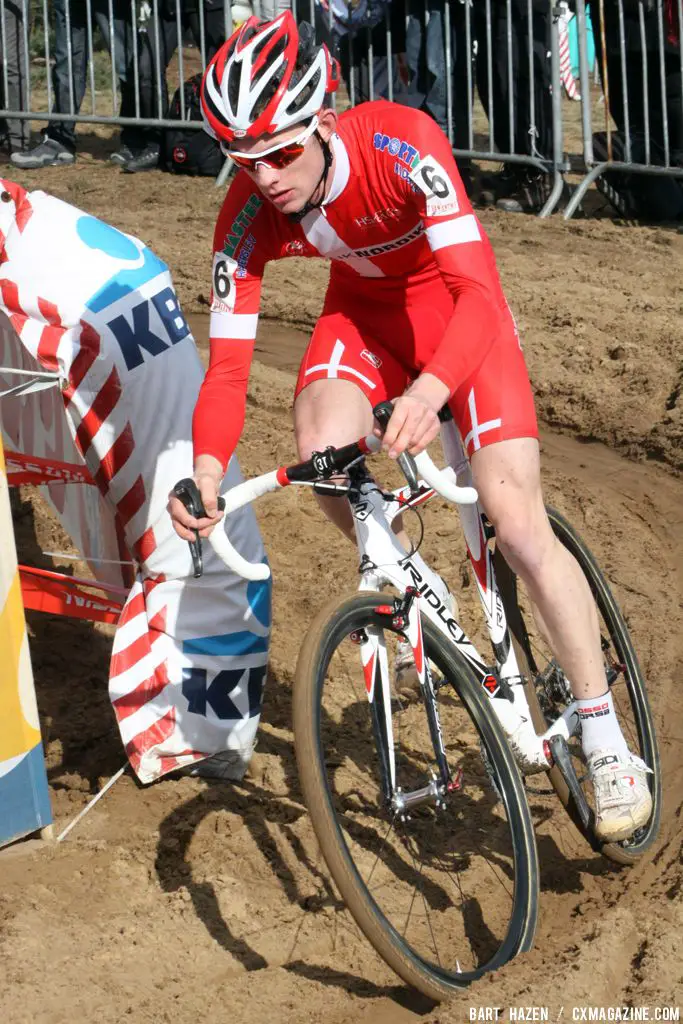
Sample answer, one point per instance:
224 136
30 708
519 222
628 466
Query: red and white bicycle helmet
269 75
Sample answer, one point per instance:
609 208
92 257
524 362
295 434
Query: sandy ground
195 901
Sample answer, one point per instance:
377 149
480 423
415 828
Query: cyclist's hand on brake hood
208 475
415 421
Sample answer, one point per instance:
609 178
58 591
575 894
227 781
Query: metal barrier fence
640 61
141 37
491 72
506 52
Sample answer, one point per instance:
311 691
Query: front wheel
448 889
548 689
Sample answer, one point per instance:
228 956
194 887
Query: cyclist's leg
507 476
342 377
331 412
494 411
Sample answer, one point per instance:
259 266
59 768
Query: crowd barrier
639 58
496 74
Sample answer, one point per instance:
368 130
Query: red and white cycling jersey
413 280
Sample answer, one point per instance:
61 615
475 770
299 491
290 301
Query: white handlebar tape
234 561
250 490
241 495
441 483
441 480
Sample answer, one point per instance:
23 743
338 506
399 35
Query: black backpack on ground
645 197
189 150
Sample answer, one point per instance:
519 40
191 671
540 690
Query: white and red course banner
98 307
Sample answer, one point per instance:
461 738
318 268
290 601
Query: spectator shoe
48 153
122 156
148 160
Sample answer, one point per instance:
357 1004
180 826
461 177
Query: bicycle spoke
386 836
463 899
434 859
429 922
491 868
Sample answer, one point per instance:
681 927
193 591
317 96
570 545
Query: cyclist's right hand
208 475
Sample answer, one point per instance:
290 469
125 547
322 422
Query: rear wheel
548 690
445 893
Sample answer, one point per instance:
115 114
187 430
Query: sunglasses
278 156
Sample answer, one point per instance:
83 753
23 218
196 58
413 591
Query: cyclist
414 312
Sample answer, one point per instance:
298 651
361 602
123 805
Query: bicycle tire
620 853
336 621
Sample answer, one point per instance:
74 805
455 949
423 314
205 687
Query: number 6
434 182
221 280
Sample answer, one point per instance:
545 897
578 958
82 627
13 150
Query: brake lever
187 492
382 414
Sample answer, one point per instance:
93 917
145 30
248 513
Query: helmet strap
312 204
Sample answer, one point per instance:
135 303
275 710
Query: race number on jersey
433 180
223 280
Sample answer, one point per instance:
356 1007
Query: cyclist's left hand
415 421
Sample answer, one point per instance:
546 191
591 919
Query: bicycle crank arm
563 761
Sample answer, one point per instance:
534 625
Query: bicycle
368 757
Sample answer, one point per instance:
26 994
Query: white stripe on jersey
342 169
233 325
453 232
335 365
322 236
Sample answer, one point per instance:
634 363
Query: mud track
191 901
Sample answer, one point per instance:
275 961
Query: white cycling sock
600 727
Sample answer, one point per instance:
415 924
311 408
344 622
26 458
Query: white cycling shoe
623 802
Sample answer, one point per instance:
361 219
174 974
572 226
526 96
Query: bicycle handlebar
443 482
321 464
383 413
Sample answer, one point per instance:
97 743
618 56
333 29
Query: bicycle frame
385 563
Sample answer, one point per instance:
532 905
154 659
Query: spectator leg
18 131
543 110
426 58
521 139
156 46
68 99
121 50
214 29
674 99
353 58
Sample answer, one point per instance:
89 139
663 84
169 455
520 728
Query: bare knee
525 537
330 412
507 476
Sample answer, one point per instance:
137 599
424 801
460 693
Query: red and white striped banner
30 469
98 307
568 81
